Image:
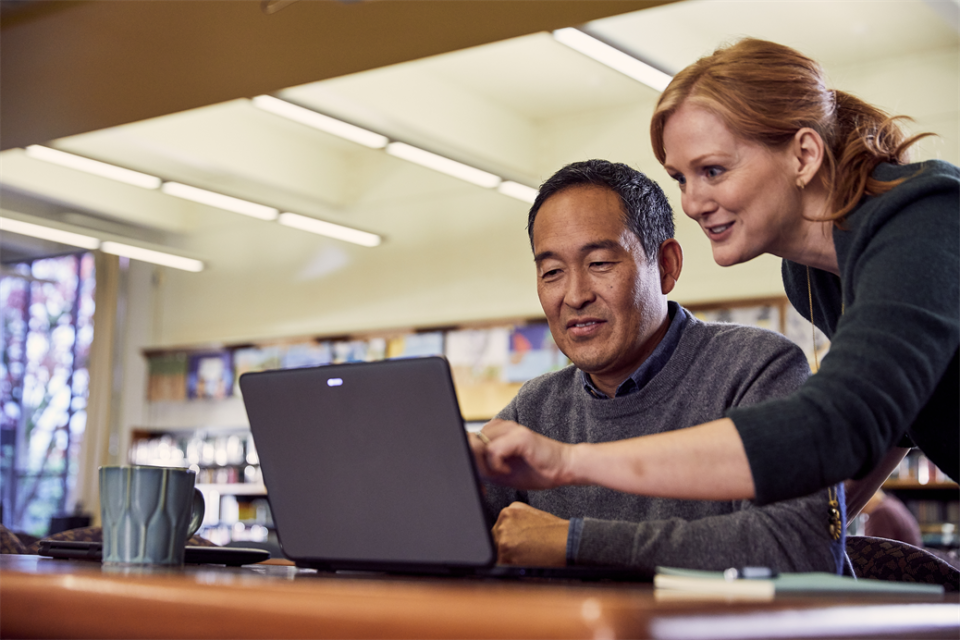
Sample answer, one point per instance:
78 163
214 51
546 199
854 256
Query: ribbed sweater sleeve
894 321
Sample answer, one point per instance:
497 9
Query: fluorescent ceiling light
613 58
148 255
518 191
329 229
49 233
443 165
93 166
319 121
220 201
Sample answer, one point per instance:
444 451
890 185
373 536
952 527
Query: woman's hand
518 457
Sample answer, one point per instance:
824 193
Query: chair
884 559
10 542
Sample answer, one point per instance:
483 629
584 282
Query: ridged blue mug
148 514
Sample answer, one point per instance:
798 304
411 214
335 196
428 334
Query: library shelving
932 498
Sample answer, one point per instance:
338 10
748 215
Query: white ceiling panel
834 32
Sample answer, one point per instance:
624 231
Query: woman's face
741 193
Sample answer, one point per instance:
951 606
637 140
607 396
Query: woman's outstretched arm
706 462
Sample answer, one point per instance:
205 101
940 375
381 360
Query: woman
770 161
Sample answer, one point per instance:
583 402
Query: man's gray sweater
714 367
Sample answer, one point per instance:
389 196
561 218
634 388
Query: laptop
368 469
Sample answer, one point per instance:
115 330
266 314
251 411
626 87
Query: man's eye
552 273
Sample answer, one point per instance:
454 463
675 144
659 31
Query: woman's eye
713 172
679 178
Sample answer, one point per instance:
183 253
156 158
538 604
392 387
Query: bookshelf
932 498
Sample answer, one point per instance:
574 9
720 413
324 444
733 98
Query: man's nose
579 291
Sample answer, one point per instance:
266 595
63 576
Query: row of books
500 354
916 467
195 450
934 512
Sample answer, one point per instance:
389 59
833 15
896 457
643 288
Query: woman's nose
695 201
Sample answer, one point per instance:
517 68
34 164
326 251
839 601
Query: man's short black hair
646 210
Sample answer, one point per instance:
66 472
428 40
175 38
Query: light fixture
329 229
443 165
154 257
49 233
398 149
319 121
95 167
220 201
613 58
518 191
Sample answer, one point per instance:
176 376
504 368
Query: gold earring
800 184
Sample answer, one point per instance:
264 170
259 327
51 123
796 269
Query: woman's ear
670 258
808 152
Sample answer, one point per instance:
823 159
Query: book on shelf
255 359
414 345
167 377
533 352
210 374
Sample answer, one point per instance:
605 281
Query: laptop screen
367 465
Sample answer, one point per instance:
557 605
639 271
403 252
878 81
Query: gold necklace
834 517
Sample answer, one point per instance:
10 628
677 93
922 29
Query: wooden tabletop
46 598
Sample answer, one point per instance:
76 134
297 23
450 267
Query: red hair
766 92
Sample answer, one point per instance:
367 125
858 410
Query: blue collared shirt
650 367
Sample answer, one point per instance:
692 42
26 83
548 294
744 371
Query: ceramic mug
148 514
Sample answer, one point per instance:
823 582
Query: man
602 238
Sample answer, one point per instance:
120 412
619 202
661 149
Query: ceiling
520 108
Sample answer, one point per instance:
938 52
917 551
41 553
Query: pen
749 573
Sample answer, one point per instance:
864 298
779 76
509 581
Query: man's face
601 295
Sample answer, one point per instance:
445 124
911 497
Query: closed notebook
714 582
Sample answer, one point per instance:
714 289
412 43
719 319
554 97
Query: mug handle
196 514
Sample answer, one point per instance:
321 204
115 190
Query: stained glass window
46 328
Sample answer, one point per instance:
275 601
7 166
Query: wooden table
42 597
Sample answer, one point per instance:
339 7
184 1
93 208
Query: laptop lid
367 466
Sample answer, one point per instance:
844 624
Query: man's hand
520 458
530 537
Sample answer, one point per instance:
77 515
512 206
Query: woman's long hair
766 92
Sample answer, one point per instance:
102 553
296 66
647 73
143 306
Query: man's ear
808 152
670 258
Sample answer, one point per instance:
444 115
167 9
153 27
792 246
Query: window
46 330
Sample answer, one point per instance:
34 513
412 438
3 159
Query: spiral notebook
368 468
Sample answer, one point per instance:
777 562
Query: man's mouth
719 229
584 328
